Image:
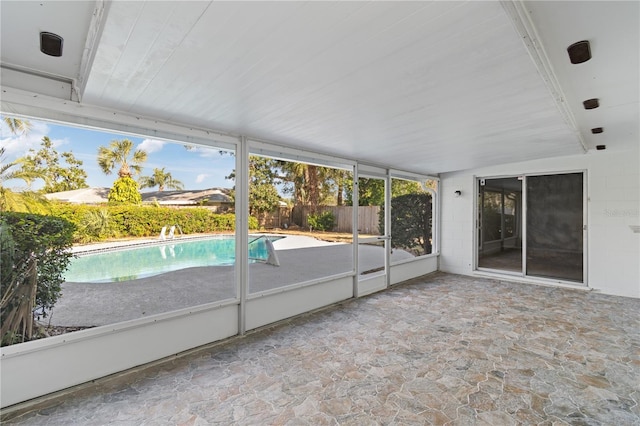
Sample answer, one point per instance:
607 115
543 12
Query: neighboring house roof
182 197
188 197
81 196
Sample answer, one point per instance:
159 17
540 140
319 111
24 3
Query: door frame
379 281
523 274
478 221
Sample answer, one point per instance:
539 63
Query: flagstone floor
442 349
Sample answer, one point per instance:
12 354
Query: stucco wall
613 188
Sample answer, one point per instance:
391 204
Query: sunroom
520 120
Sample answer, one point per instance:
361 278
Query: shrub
411 222
31 241
324 221
125 191
95 225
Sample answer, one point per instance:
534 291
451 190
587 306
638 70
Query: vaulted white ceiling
427 87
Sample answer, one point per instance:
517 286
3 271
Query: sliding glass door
532 226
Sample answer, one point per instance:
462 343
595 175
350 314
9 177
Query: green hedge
142 221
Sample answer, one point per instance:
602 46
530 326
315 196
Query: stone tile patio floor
441 349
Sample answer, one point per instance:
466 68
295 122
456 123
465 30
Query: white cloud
18 145
151 145
201 177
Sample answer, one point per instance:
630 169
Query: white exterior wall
39 367
613 189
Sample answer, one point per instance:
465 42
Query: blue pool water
147 261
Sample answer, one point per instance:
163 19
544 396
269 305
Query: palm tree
161 179
27 174
7 170
19 201
17 126
117 155
25 202
308 181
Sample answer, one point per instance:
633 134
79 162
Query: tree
9 171
28 171
263 198
371 190
263 194
26 202
117 155
161 179
411 222
342 180
14 201
17 125
71 177
45 164
125 189
312 185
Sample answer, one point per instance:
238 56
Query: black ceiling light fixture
591 103
597 130
601 147
50 44
579 52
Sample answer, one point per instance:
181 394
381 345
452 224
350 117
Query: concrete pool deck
301 259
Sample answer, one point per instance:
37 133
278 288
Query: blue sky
198 168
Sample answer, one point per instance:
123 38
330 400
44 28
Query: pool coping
129 244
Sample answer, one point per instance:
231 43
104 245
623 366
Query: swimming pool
149 260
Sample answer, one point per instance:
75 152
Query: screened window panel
555 226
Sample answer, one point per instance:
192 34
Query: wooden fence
368 217
279 218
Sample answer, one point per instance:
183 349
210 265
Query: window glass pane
555 226
371 258
154 225
371 202
302 216
371 225
491 216
500 237
509 214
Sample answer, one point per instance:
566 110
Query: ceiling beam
520 18
91 45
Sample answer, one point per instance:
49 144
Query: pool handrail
172 230
272 259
